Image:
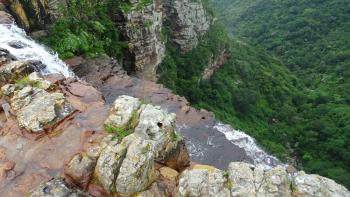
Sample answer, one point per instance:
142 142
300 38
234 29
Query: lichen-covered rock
158 126
36 108
203 181
127 166
188 21
15 70
241 178
137 171
109 162
36 78
314 185
274 182
54 188
248 180
122 111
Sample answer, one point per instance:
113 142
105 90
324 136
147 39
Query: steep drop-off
311 38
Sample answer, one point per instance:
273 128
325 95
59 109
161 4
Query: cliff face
31 15
188 21
144 26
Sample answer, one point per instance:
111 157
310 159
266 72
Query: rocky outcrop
34 107
127 165
5 18
215 63
314 185
188 21
31 15
203 181
243 179
141 25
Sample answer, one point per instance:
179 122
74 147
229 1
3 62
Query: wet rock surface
6 18
196 126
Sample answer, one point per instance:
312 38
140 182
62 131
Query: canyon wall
145 25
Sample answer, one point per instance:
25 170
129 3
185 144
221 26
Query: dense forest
286 83
295 100
311 38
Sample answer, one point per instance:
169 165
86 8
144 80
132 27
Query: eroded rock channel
63 137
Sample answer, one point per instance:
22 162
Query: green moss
125 130
26 81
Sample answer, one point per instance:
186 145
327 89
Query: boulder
17 44
249 180
158 126
314 185
6 18
109 162
39 80
203 181
137 171
127 165
241 178
55 188
122 111
35 108
15 70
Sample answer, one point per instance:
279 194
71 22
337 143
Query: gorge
101 142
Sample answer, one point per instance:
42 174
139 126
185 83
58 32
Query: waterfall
28 49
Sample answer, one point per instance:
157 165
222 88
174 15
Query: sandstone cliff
145 25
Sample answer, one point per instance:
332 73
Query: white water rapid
244 141
30 50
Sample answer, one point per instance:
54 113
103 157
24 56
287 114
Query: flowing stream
209 142
15 40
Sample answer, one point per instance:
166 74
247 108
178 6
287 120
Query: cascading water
28 49
218 136
247 143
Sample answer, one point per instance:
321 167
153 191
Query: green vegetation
312 39
125 130
119 132
26 81
86 29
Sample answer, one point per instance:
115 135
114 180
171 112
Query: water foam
31 50
244 141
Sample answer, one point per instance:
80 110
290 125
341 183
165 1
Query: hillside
281 75
311 38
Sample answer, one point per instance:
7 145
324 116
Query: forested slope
294 100
312 39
